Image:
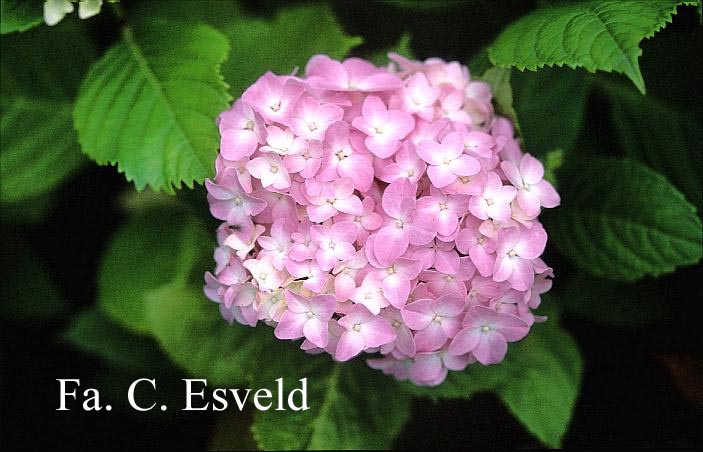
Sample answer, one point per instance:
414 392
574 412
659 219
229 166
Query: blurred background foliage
99 280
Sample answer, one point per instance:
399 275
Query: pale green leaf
661 137
595 35
620 220
149 104
154 248
552 162
351 407
283 43
92 333
19 15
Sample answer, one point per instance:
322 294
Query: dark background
641 386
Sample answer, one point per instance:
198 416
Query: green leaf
191 331
427 5
351 407
149 104
19 15
29 211
552 162
620 220
539 381
615 304
659 136
595 35
547 121
544 382
92 333
38 146
282 44
155 248
27 290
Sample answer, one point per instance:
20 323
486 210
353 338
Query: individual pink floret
385 128
306 317
363 330
533 190
486 334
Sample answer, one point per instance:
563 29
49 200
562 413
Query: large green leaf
351 407
19 15
622 221
191 331
539 381
544 382
595 35
614 303
659 136
149 104
38 146
91 332
155 248
547 120
283 43
27 291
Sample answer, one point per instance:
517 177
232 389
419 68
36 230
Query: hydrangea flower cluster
379 210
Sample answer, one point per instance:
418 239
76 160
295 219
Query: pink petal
547 194
440 175
237 144
465 341
290 326
316 332
377 332
344 251
528 202
344 231
465 165
430 152
389 244
396 289
512 173
418 315
351 205
350 344
431 338
491 348
531 169
483 261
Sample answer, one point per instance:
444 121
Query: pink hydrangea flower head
383 211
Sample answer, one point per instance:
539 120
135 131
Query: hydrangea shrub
379 210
